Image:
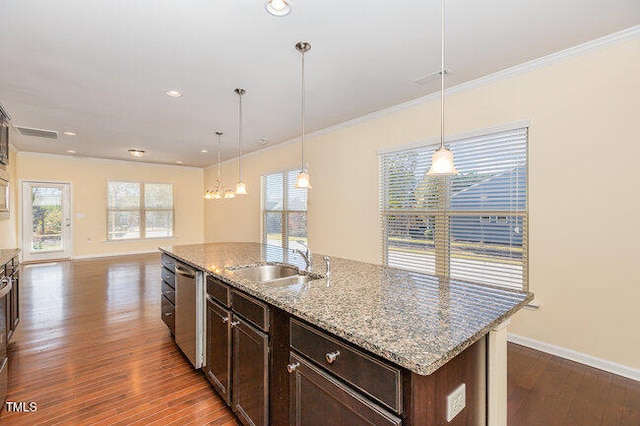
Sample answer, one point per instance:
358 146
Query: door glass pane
46 224
124 224
273 228
159 223
297 227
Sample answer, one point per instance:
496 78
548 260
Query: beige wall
584 201
9 222
88 178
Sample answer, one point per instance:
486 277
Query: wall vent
37 133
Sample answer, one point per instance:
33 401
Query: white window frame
142 210
442 247
285 210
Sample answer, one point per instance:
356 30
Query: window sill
124 240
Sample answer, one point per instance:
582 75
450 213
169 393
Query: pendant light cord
240 139
303 110
442 82
219 144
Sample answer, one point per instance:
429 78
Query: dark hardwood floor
547 390
91 349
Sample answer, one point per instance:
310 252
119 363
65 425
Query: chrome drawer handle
332 356
168 314
234 323
225 320
292 367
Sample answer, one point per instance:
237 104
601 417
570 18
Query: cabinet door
316 397
15 302
218 368
250 373
10 302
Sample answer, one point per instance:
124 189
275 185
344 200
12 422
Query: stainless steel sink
295 279
266 272
275 275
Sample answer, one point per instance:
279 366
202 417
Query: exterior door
46 221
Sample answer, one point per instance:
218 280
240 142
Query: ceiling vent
423 81
37 133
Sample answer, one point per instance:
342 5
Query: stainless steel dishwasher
189 313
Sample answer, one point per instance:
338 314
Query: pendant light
442 159
241 188
303 177
278 7
216 194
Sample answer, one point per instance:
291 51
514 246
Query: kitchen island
437 334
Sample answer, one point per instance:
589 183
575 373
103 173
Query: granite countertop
7 254
408 318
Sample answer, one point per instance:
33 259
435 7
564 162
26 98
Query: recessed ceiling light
173 93
179 162
69 133
204 151
136 152
278 7
262 141
70 151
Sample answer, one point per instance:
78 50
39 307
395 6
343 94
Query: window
472 226
139 210
284 211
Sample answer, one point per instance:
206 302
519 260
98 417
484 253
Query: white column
497 375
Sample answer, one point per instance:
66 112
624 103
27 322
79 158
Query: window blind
139 210
472 226
284 210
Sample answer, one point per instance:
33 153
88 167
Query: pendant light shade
303 180
278 7
229 194
442 159
442 163
241 188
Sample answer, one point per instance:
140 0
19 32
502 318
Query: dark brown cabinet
218 352
332 379
4 138
11 271
168 285
237 351
316 397
250 373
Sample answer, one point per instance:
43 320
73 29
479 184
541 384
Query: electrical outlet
456 401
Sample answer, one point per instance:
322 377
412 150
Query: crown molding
103 160
553 58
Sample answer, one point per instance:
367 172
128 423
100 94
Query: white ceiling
101 68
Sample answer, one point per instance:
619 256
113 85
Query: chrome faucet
306 255
327 263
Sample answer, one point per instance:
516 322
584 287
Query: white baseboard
126 253
599 363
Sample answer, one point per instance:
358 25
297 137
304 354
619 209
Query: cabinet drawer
376 378
218 291
169 277
168 314
168 262
251 309
316 397
169 292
